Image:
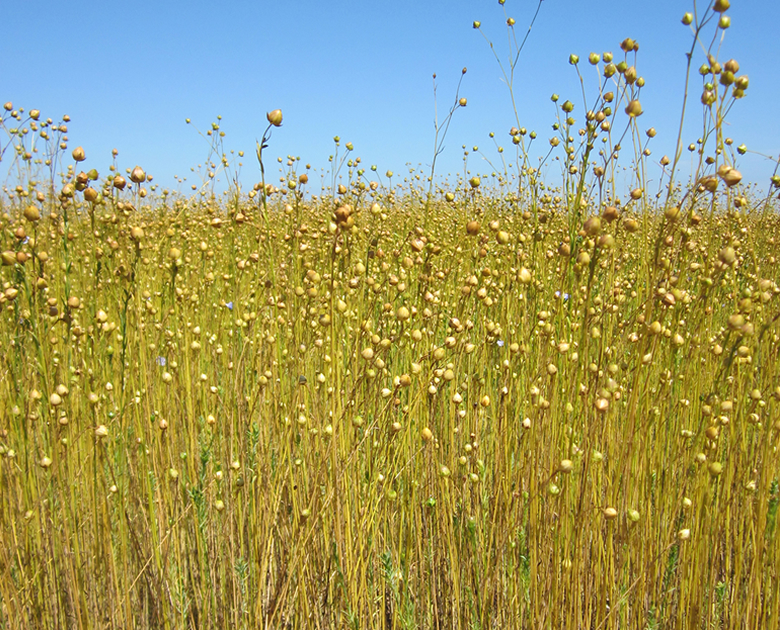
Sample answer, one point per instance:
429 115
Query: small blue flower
161 361
229 306
500 343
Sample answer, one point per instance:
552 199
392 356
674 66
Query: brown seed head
727 256
732 177
631 225
592 226
275 117
710 184
343 213
32 214
610 214
672 213
634 108
137 175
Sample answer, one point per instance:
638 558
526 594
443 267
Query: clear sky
129 74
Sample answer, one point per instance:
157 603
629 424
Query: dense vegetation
488 403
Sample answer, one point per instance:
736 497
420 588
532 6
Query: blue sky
129 75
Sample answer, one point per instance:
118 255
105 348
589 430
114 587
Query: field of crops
488 402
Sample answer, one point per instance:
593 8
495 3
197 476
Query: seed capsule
32 214
634 108
592 226
275 117
732 177
137 175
